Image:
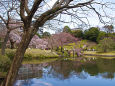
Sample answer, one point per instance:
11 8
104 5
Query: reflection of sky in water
74 80
58 75
32 82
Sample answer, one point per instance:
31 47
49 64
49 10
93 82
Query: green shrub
65 54
46 34
41 57
101 36
10 54
91 34
4 63
78 33
59 53
105 45
27 57
67 29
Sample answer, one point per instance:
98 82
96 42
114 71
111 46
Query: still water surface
98 72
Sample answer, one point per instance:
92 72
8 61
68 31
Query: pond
95 72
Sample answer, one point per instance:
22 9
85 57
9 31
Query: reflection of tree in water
107 75
28 71
102 67
65 69
91 69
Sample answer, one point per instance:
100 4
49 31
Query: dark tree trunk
11 76
12 44
4 43
73 53
61 49
57 49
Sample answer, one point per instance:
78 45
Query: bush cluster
106 45
4 63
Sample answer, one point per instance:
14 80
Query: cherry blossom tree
36 42
61 39
14 38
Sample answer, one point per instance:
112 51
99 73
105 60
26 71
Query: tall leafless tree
40 12
7 9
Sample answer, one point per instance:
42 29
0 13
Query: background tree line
105 38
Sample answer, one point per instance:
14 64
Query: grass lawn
41 53
33 54
97 53
39 61
94 52
99 57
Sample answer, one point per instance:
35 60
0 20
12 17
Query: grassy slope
96 53
36 53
